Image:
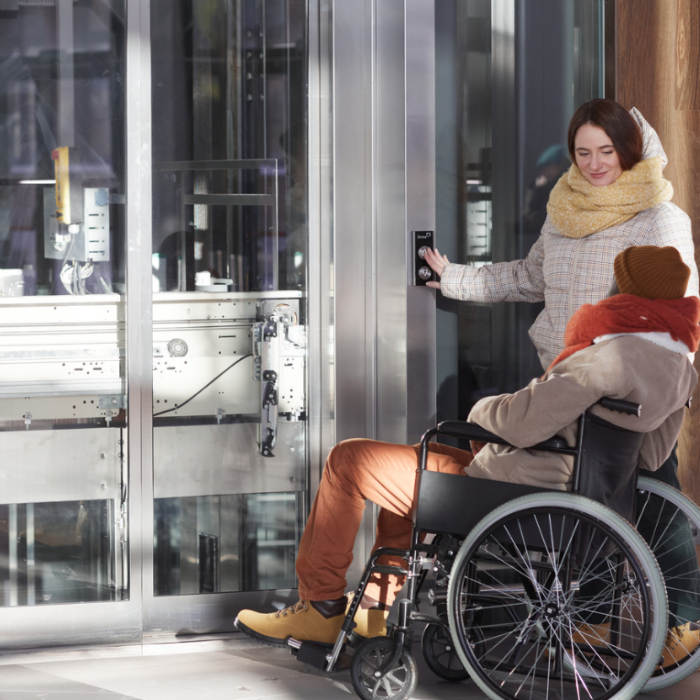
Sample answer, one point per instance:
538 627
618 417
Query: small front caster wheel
440 654
372 681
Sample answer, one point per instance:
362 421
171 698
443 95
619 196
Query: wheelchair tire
440 653
675 505
371 682
554 577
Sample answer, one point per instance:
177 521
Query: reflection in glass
233 74
506 87
61 86
213 544
61 552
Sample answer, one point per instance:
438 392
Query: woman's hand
437 263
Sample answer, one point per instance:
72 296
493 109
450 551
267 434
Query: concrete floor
230 667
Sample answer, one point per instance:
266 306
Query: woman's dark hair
617 123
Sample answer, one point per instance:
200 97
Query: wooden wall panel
687 54
687 188
687 156
658 71
646 64
645 59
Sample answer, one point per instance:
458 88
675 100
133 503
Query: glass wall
508 78
229 269
229 282
63 503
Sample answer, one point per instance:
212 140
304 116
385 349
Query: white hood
652 143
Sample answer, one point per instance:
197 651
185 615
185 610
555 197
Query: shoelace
674 638
299 606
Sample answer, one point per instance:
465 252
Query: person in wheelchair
633 345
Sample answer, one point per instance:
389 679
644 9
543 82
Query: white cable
66 277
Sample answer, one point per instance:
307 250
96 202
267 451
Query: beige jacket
566 273
624 367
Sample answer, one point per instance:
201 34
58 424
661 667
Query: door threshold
149 646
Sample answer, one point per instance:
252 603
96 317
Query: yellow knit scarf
578 209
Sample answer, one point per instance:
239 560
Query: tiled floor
231 668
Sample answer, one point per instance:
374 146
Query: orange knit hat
652 272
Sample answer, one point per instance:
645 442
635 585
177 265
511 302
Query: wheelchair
537 594
672 512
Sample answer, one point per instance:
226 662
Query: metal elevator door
230 319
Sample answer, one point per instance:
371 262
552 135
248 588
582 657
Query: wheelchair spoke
670 524
561 601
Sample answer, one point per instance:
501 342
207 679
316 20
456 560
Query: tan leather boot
369 621
592 635
312 621
681 642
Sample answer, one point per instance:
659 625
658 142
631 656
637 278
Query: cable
174 408
69 248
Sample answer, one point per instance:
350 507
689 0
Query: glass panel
61 552
62 260
212 544
229 281
506 87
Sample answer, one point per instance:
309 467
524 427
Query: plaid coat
566 272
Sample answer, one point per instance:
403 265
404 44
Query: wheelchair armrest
621 406
468 431
472 431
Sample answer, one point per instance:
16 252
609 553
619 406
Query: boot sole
358 638
270 641
661 669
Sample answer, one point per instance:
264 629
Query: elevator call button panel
422 273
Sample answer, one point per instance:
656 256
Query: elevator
209 215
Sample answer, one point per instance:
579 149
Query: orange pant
356 471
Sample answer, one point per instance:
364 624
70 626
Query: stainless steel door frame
421 134
384 188
383 63
321 227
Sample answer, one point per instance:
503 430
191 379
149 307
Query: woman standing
614 196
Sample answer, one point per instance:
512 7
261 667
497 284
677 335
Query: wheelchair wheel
675 521
373 682
571 602
441 655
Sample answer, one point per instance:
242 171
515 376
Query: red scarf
626 313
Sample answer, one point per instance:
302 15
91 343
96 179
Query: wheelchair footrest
313 654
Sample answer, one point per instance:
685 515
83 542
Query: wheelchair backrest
607 471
